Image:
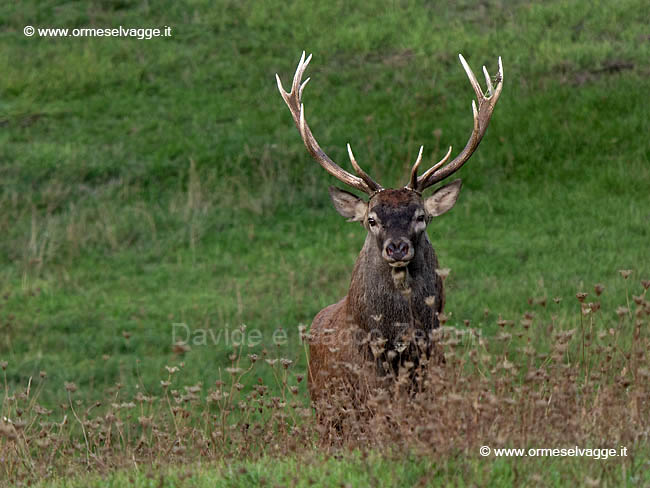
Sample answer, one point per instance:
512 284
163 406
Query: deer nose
397 251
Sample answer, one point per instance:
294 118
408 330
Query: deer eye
372 222
420 218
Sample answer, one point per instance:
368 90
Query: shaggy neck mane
389 301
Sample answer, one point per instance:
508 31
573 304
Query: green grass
357 469
147 183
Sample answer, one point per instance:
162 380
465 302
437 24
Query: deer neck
388 300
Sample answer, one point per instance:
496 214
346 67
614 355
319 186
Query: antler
293 99
486 104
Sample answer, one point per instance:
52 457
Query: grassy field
358 470
152 189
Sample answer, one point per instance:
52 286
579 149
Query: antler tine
482 115
413 183
433 168
364 176
488 82
472 78
293 99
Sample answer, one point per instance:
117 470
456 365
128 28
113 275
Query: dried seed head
645 284
430 301
3 365
7 430
43 443
71 387
193 388
41 410
625 273
443 273
286 362
581 296
622 311
599 288
377 346
502 323
145 421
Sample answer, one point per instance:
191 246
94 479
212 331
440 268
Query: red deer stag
395 293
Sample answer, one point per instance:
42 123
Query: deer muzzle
398 252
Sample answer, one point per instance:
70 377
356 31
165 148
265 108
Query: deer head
396 219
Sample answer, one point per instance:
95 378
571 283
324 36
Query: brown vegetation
541 381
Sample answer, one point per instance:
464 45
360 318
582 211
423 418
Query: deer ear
443 199
348 205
